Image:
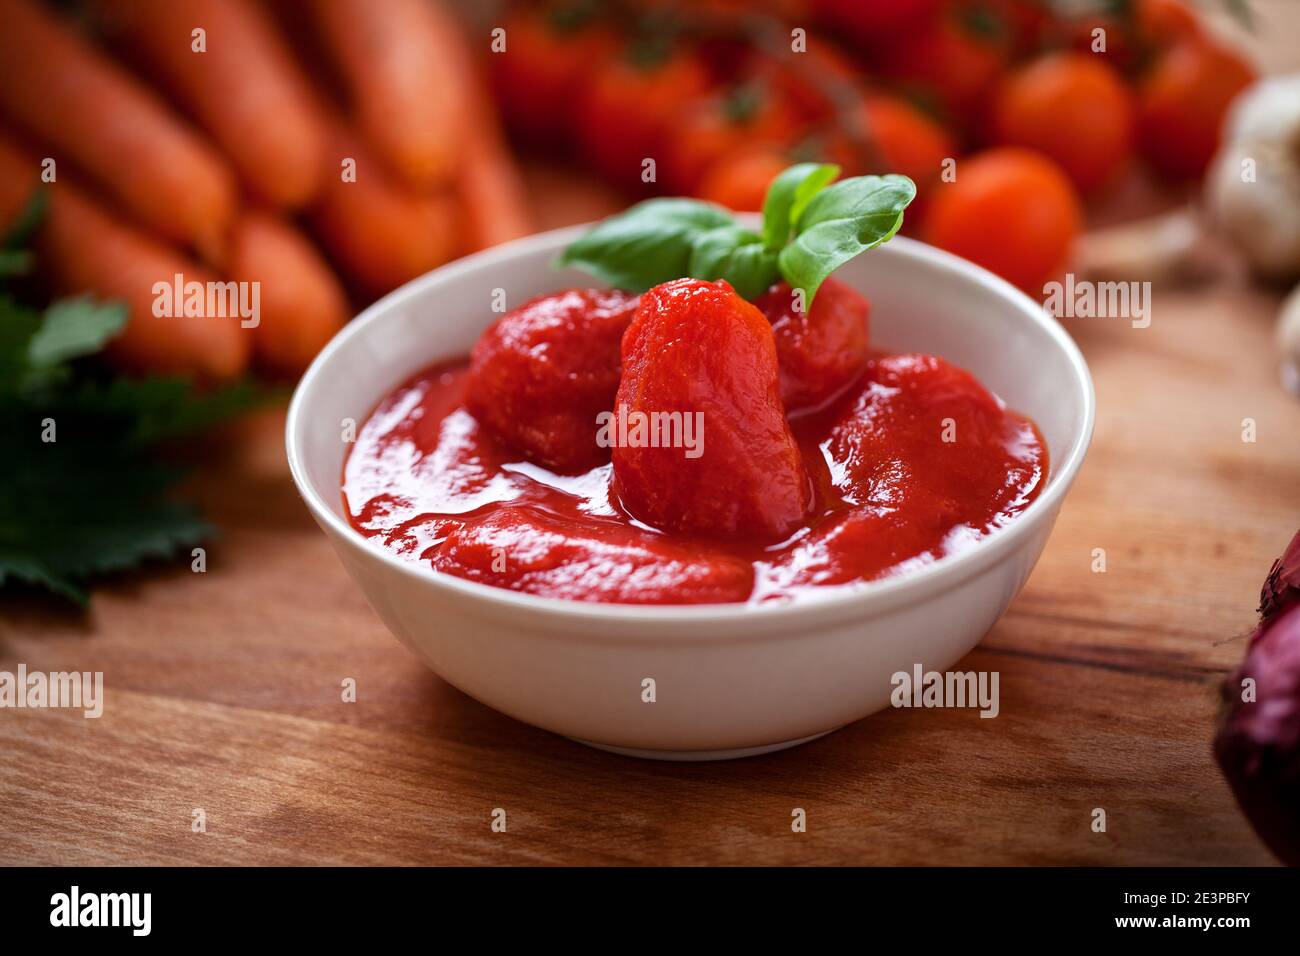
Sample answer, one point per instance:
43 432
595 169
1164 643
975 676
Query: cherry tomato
875 23
1075 109
625 114
740 180
806 79
1009 210
953 64
545 61
747 115
909 141
1182 102
1161 23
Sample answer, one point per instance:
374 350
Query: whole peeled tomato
822 350
1010 210
1073 108
625 114
1258 741
1182 103
698 349
598 561
541 375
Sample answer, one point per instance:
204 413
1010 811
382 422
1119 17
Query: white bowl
730 680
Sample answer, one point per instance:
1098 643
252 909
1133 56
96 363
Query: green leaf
18 326
26 569
842 221
73 328
84 490
165 408
28 221
664 239
737 255
789 195
649 244
89 502
14 262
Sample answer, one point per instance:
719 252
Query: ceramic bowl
730 680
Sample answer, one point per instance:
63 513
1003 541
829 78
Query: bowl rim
857 599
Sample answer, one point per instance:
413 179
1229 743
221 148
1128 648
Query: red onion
1258 741
1282 586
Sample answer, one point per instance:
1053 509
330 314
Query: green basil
646 245
659 240
737 255
788 196
840 222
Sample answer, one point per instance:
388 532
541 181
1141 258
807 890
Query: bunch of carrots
329 150
1042 104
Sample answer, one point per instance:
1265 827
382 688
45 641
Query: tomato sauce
912 462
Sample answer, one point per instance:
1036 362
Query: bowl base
734 754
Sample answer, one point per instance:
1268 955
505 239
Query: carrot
492 192
379 233
83 108
245 89
302 304
80 247
406 71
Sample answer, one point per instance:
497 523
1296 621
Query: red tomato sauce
915 461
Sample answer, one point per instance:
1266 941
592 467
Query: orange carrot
244 88
380 234
83 108
407 74
491 190
80 247
302 304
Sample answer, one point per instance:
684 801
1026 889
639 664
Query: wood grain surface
223 688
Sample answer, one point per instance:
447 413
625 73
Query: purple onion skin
1258 743
1282 586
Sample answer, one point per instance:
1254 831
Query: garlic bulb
1288 340
1253 186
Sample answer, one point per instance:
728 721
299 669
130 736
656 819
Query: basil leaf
789 195
737 255
646 245
840 222
75 327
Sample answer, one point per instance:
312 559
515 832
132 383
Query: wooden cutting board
223 689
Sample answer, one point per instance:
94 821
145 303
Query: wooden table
223 688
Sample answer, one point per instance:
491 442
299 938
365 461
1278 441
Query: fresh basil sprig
811 226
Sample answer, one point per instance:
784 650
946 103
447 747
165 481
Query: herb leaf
73 328
788 196
737 255
649 244
664 239
95 497
842 221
